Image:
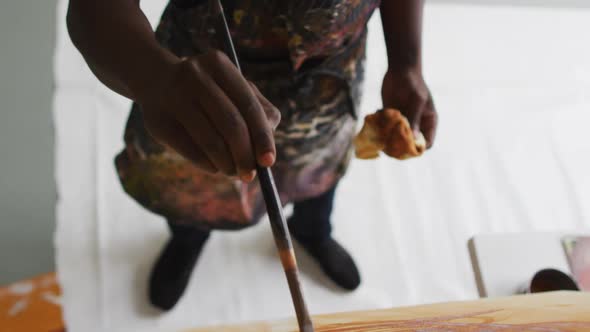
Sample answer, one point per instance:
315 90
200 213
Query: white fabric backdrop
511 85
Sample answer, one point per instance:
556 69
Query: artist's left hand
406 91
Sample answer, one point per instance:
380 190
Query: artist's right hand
203 108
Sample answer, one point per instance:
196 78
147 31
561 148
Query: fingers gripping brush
271 197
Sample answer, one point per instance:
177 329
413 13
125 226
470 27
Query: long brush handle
272 200
283 242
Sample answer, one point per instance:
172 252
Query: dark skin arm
403 85
200 106
117 43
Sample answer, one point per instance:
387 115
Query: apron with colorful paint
306 57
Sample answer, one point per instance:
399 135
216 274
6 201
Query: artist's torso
306 57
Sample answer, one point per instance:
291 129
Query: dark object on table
549 280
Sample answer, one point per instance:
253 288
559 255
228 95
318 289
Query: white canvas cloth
513 153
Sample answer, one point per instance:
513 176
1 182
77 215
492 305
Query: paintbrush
271 197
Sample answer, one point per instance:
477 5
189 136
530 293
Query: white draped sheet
512 154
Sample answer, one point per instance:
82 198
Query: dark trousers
309 223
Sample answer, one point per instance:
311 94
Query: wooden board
559 311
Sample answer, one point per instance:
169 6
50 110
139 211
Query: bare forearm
402 27
118 44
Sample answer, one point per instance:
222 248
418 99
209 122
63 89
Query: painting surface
558 311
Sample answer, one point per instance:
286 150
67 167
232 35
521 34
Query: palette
558 311
577 250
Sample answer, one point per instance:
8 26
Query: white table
504 262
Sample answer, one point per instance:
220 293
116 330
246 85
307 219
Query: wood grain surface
558 311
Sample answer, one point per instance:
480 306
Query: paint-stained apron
306 57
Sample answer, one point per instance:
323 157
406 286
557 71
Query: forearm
402 27
118 44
